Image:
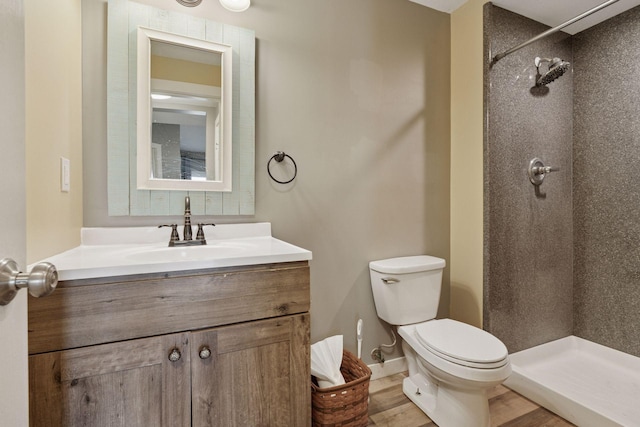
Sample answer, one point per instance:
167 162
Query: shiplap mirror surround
124 198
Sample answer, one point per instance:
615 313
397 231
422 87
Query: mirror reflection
182 137
185 100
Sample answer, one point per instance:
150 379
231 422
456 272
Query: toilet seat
453 366
461 344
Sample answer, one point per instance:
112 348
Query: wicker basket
344 405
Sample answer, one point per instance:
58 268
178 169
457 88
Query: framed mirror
184 113
124 197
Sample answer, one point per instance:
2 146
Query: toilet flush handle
389 280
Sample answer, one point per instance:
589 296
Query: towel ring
279 156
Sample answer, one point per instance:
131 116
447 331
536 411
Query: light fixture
236 5
189 3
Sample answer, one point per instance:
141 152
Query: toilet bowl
457 367
451 365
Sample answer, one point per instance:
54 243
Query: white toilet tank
407 289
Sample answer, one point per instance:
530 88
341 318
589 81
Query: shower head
557 67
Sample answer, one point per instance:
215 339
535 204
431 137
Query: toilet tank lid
408 264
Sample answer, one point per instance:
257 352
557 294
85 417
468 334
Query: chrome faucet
187 235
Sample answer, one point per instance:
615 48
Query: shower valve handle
537 171
541 170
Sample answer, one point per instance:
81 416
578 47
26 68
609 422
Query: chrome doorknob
41 281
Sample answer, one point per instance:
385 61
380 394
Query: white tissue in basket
326 358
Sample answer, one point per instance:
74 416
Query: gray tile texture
606 193
528 230
567 262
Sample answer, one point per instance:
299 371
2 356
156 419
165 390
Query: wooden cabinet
101 354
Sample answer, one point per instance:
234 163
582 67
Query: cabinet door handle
205 352
175 355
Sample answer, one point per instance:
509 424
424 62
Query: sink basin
110 252
190 253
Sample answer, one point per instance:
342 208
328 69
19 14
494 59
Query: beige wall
358 93
166 68
345 200
53 124
466 163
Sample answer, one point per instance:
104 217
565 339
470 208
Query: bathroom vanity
224 343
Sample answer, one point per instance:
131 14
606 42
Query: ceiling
549 12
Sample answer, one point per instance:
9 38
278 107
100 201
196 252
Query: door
14 399
253 374
136 383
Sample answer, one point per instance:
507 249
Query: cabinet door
257 374
130 383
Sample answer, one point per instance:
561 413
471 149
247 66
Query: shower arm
550 31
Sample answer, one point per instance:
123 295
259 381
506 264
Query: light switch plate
65 175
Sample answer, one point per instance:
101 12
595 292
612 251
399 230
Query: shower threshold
587 384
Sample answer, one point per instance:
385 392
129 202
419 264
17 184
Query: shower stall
562 256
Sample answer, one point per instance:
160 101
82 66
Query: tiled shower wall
567 260
528 272
606 183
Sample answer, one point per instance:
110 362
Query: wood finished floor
389 407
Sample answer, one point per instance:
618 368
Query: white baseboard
390 367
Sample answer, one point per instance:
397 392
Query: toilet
451 364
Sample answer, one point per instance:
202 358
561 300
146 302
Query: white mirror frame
145 180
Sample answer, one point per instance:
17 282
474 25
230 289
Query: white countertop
105 252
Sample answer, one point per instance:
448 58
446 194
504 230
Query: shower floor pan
585 383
